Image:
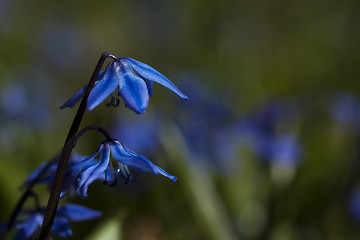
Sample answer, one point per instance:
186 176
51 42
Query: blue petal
79 94
28 227
125 173
74 98
68 181
84 176
149 73
81 168
150 86
61 227
49 175
140 163
76 158
76 169
35 173
133 89
106 85
76 212
94 172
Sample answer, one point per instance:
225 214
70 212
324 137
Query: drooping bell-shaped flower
133 81
90 169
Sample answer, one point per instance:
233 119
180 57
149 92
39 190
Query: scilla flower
48 176
90 169
31 222
132 80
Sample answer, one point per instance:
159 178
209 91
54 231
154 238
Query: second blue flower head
133 81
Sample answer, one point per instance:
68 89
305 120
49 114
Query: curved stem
97 128
113 57
36 199
65 155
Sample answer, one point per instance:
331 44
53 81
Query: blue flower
133 81
30 226
49 175
88 170
345 108
270 142
207 126
141 134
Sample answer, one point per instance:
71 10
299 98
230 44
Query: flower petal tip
65 106
62 194
180 94
173 178
141 111
137 110
89 108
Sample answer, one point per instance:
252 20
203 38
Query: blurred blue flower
218 135
30 226
49 175
62 44
207 125
345 108
268 134
286 150
13 100
89 169
132 80
140 134
22 103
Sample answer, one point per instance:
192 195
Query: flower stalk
65 155
96 128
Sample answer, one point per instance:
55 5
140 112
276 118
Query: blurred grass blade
110 229
199 190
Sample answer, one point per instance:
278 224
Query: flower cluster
131 80
81 172
216 135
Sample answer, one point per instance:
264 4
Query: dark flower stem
65 155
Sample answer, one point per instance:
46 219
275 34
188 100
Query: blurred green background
241 56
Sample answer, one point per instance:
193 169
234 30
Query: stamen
111 103
114 174
129 177
117 103
115 178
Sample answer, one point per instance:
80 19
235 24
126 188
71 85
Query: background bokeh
267 147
